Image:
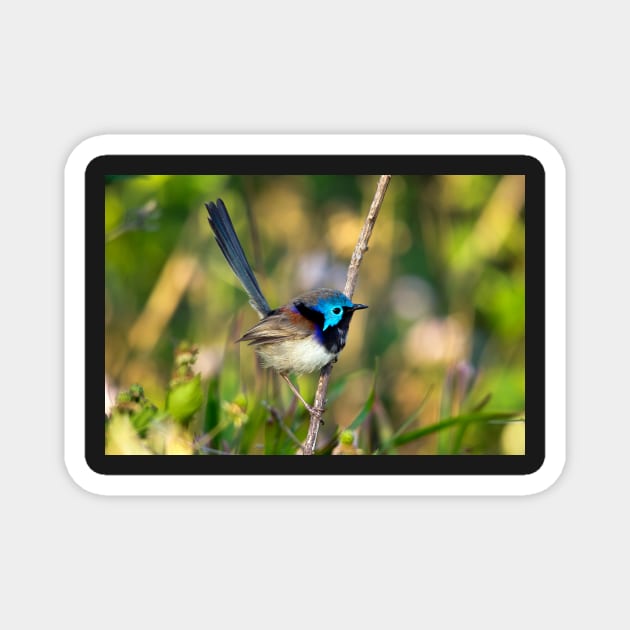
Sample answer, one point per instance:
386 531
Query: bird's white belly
300 356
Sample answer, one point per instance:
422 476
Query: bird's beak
358 307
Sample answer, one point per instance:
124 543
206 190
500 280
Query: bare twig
351 283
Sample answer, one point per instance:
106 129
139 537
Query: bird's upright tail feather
224 233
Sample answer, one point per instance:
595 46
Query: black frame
525 464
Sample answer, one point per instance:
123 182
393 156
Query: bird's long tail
224 233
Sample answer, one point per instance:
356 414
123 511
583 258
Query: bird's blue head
331 307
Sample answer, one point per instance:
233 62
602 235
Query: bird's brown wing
279 325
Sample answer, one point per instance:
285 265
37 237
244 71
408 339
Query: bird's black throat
334 337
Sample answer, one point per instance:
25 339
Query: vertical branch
351 283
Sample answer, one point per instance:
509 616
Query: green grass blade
367 407
327 449
459 436
339 384
447 423
483 402
385 447
253 428
446 409
212 414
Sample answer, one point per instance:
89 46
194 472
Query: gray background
72 70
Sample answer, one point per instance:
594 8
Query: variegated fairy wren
300 337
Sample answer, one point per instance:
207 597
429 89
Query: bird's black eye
336 310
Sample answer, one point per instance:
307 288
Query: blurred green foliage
444 279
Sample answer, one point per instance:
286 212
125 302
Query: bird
299 337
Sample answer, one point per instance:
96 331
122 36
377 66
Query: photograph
314 314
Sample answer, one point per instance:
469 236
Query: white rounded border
326 485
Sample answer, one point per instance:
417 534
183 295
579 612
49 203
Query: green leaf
185 399
143 419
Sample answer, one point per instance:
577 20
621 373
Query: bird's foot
319 411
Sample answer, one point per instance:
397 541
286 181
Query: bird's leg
294 389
